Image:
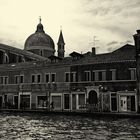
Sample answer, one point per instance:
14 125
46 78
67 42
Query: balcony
107 85
35 87
9 88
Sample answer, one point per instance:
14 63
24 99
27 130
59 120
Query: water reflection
55 127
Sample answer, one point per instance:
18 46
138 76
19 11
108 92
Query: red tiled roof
125 53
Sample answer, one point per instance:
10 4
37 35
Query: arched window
41 52
6 58
92 98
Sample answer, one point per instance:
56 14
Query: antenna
94 41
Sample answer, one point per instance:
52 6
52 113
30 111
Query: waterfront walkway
82 113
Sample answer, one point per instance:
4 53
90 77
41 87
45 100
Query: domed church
42 44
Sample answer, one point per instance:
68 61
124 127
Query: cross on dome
39 19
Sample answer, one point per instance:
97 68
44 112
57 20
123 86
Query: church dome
40 41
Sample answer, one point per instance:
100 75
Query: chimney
138 31
93 51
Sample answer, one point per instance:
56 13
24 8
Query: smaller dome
40 28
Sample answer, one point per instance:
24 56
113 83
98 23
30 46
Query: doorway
73 101
123 102
133 106
25 101
92 98
66 101
0 101
16 102
113 102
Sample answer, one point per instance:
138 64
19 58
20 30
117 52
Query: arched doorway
92 98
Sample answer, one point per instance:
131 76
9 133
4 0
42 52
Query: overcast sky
113 22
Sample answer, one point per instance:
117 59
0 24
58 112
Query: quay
115 115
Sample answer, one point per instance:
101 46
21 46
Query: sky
111 23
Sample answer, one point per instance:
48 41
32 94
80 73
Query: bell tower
61 46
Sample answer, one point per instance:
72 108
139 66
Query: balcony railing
9 88
34 87
72 86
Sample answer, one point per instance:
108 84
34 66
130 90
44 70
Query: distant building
33 78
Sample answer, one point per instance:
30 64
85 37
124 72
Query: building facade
80 82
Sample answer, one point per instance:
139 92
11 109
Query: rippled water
58 127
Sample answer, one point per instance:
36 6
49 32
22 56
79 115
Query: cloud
116 44
113 46
102 7
112 43
110 20
126 42
129 42
11 42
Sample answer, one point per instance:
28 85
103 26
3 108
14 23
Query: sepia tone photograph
69 70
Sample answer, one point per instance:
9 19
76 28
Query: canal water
60 127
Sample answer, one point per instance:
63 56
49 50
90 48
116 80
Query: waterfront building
34 78
137 44
110 77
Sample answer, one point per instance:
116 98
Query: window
53 77
41 52
47 78
73 77
6 58
38 78
1 80
21 79
96 73
42 102
99 75
5 98
103 75
113 74
17 79
132 73
93 76
33 78
81 99
4 80
87 76
70 77
67 77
